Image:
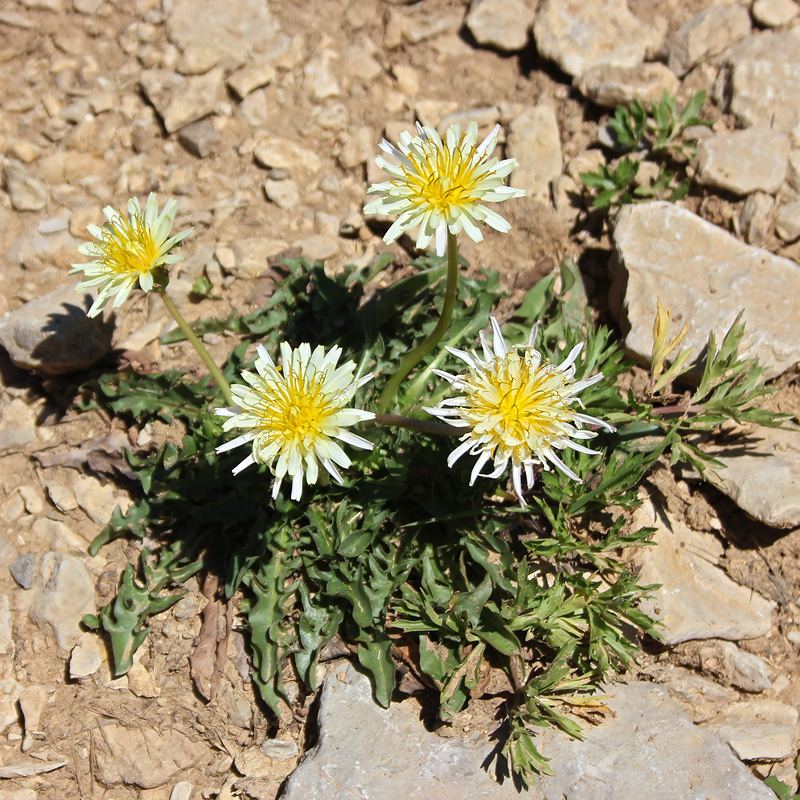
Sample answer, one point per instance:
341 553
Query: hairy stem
426 426
422 350
215 371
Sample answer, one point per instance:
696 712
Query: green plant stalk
423 425
215 371
422 350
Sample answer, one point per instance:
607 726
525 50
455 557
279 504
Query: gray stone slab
706 276
647 747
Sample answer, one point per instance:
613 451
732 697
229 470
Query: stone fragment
275 153
17 424
611 86
787 221
180 100
762 77
140 681
181 791
201 138
251 77
280 748
142 756
319 247
764 479
755 218
238 708
10 691
697 600
706 276
255 763
706 34
745 670
700 697
320 78
52 334
534 140
283 193
67 595
578 35
7 552
773 13
86 656
757 730
254 109
96 498
502 24
250 256
486 117
6 634
24 570
31 703
37 251
25 192
230 30
745 161
87 7
647 747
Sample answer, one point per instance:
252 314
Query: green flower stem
419 352
423 425
215 371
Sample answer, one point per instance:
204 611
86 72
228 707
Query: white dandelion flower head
516 408
294 414
128 250
442 185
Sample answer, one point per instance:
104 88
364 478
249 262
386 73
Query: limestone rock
6 634
705 276
26 192
764 479
285 154
787 221
68 595
611 86
201 138
86 656
773 13
10 691
742 669
250 77
647 747
180 100
229 30
142 756
762 73
502 24
755 218
706 34
696 599
578 35
52 334
17 424
701 698
757 730
745 161
534 140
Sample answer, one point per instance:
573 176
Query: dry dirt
64 54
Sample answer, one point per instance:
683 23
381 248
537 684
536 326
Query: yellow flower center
296 409
129 246
443 178
514 403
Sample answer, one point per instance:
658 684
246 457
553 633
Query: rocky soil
262 117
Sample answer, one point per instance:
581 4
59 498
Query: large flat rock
647 747
706 276
696 599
